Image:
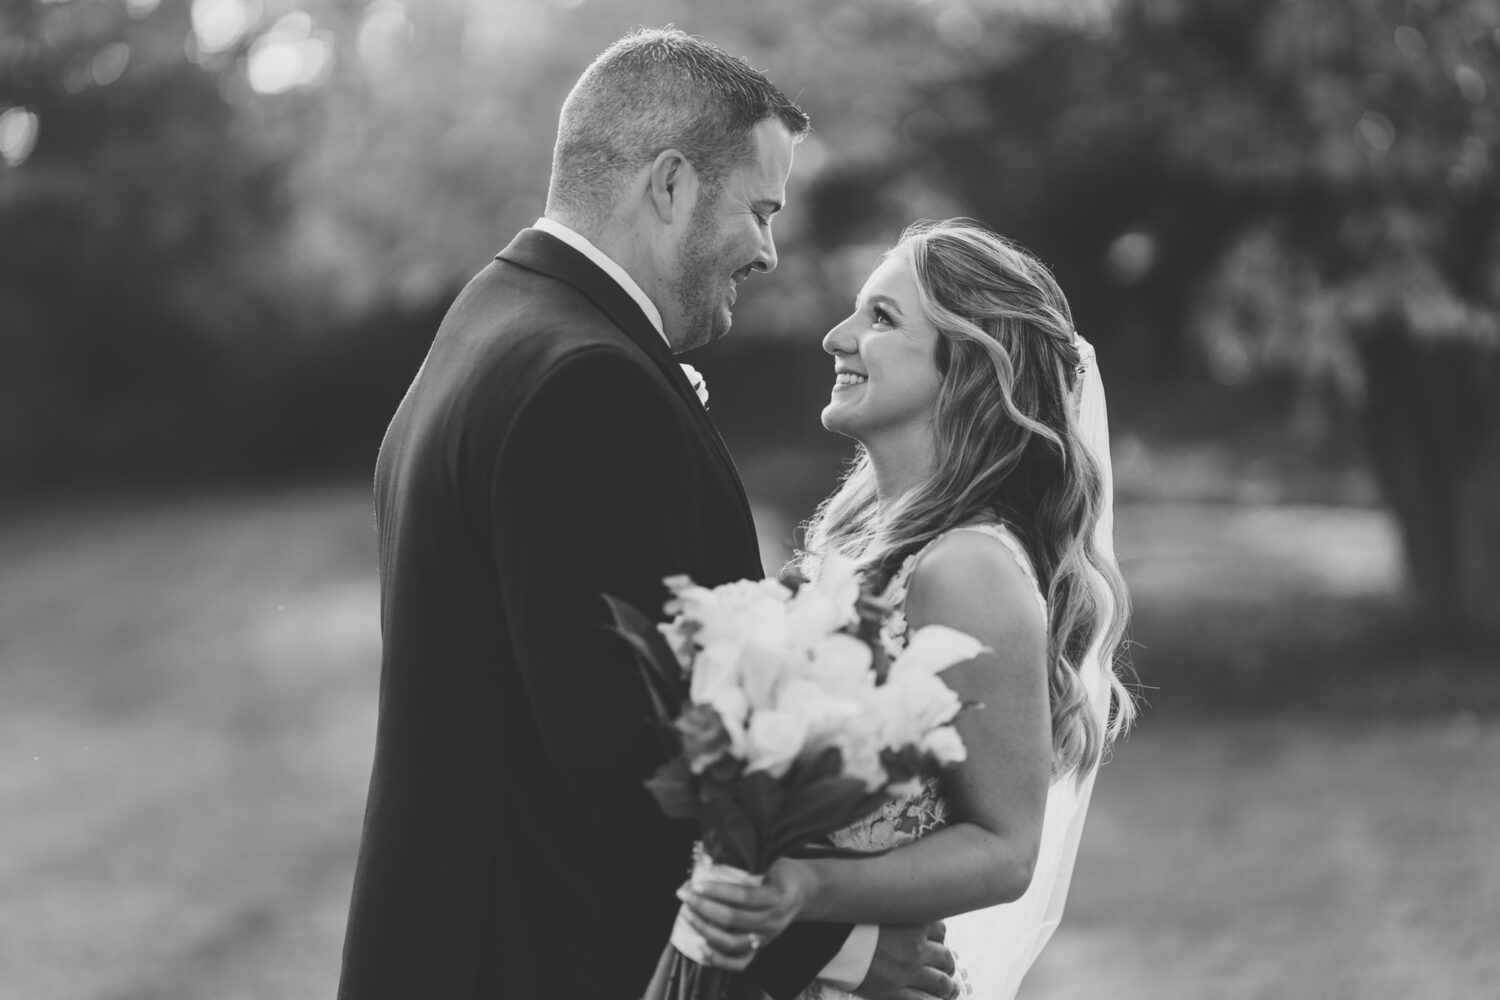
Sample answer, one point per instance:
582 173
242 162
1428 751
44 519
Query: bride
979 499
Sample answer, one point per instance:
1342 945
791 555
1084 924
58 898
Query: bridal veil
996 946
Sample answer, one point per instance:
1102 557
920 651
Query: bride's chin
836 421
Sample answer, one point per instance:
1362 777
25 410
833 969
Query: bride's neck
900 465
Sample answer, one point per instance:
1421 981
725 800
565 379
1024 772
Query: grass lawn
186 736
1271 860
189 708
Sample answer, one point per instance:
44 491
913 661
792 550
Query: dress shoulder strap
1002 534
893 633
895 593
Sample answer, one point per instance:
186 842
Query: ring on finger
755 941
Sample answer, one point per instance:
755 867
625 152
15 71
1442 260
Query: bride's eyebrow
887 301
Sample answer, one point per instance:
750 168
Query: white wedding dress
994 947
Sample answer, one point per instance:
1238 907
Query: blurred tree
438 118
136 290
229 224
1281 187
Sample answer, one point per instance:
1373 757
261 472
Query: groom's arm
892 963
850 966
800 955
592 492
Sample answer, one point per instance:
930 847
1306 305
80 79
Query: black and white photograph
802 500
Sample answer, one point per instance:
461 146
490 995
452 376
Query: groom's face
729 236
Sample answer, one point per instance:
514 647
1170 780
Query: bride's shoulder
977 570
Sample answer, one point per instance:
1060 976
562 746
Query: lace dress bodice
901 821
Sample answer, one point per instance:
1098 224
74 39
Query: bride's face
886 378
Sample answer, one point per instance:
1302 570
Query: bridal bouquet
792 724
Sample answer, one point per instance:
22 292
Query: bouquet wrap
685 937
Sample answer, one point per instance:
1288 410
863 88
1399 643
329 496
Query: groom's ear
673 186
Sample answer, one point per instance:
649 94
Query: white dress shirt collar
622 278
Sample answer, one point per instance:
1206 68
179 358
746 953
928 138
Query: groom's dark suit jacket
549 451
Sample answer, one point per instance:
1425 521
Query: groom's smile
736 280
733 233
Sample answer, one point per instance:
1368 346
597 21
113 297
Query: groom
549 451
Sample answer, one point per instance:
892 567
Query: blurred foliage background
230 226
229 229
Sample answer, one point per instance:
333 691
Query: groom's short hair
658 89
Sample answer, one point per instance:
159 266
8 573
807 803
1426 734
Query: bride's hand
738 920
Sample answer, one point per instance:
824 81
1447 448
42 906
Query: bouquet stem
682 973
678 977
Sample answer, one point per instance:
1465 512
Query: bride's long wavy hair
1008 448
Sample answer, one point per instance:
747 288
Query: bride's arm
996 797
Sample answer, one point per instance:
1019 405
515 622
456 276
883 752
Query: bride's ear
672 186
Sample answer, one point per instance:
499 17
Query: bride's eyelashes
883 317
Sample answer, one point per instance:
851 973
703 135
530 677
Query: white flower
826 714
945 745
716 668
859 743
698 382
840 665
927 701
733 707
910 705
827 604
761 671
935 648
735 610
811 616
838 580
773 741
688 603
733 710
680 640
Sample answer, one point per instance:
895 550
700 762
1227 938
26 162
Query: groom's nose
765 260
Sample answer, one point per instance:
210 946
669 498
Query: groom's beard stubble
700 287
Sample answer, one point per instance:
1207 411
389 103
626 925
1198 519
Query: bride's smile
885 376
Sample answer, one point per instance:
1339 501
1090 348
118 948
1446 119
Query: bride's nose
840 340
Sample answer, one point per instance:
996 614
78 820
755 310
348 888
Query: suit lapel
541 252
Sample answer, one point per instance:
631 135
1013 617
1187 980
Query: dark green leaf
659 666
729 834
762 798
820 808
